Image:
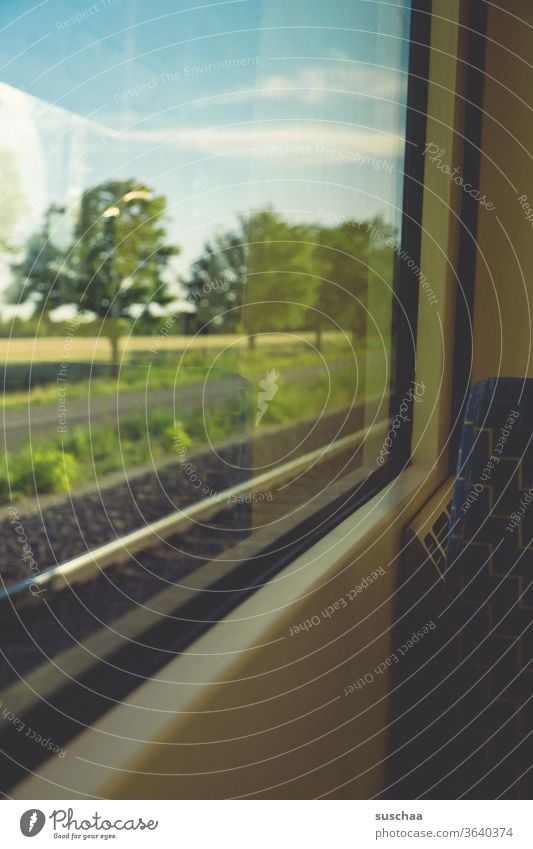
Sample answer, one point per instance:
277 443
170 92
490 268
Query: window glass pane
199 244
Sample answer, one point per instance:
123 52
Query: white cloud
269 141
317 84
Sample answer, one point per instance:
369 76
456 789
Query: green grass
179 369
60 463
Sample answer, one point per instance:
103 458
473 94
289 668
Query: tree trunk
251 342
318 338
114 339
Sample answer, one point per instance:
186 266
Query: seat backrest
492 508
487 613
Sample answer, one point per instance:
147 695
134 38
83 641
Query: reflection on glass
199 233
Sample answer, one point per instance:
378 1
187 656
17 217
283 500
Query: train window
202 247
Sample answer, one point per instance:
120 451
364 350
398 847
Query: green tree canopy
215 284
270 275
342 256
282 282
115 262
259 277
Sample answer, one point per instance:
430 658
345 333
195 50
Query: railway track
164 561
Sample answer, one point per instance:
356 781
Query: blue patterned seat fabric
492 510
488 603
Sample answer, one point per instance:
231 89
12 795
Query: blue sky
224 107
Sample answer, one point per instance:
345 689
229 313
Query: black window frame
474 88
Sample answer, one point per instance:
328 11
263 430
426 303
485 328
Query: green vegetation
268 274
59 464
114 263
63 461
183 368
265 274
46 468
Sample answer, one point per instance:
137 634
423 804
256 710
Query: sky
224 107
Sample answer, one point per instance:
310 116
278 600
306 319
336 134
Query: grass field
58 463
175 366
93 349
311 383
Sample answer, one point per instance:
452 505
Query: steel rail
84 566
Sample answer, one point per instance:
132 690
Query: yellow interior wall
281 726
504 272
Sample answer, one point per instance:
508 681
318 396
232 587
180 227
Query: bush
45 469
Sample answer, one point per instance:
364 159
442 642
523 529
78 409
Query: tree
384 263
114 265
342 255
282 282
259 277
215 284
119 254
43 275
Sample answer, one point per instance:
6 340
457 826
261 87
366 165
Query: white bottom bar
268 824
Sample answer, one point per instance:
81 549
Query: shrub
45 469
